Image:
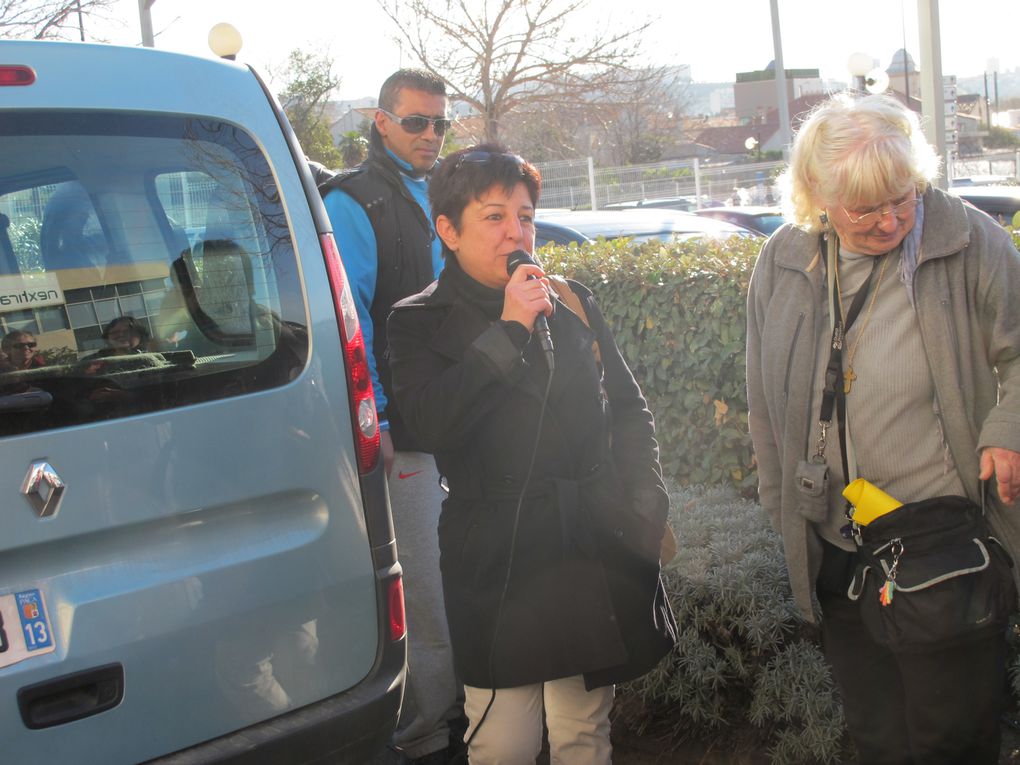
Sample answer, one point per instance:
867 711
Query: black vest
403 236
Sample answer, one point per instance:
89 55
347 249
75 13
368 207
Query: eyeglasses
417 123
900 210
23 346
481 157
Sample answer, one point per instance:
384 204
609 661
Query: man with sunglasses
20 349
382 223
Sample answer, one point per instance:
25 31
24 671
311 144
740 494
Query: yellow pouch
869 501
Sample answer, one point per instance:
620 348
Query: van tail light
16 74
359 379
395 597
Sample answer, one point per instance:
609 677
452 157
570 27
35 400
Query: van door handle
71 697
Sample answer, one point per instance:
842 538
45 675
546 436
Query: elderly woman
550 536
931 389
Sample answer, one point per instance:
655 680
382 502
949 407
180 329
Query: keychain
885 595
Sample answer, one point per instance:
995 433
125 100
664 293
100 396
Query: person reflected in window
19 347
67 240
124 335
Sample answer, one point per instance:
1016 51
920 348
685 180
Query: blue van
197 561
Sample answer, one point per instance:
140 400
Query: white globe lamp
225 40
876 81
859 65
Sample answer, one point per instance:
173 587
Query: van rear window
145 263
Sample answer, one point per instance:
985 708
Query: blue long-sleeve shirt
356 241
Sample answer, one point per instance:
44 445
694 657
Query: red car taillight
16 74
359 379
398 623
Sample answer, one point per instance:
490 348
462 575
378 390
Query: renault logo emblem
43 488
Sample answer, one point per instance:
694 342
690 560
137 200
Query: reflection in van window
176 271
70 235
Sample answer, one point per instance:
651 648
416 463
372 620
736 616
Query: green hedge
678 313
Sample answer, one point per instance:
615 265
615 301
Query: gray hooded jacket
967 299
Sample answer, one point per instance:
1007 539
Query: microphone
518 258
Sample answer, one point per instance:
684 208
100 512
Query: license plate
24 627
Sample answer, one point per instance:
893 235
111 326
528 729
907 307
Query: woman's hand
525 298
1004 464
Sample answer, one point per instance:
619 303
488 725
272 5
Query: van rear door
184 550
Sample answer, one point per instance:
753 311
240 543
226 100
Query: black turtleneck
486 299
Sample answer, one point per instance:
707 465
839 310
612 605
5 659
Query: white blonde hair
855 152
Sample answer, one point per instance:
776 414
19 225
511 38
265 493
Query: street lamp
225 40
869 77
876 81
859 65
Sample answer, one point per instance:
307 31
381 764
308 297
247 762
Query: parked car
764 220
983 180
671 203
197 561
546 232
1002 202
640 225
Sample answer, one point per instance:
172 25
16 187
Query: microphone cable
462 756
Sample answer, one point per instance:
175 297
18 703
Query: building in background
904 76
754 93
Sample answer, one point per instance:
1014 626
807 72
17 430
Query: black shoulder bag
929 573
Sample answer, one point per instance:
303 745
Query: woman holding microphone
550 535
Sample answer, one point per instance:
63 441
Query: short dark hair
135 327
467 174
414 79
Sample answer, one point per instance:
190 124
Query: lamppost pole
933 106
781 94
145 21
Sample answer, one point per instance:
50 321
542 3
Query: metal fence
574 183
1005 164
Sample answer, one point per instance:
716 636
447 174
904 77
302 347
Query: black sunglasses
23 346
416 123
481 157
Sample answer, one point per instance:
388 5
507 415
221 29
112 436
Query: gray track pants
431 697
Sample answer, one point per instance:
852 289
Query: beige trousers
578 723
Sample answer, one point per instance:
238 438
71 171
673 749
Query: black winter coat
584 593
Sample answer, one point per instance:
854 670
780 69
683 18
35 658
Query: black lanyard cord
833 394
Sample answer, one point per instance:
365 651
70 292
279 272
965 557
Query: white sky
717 38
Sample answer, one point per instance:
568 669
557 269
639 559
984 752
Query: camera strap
833 392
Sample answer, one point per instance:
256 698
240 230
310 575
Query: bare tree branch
634 121
500 55
47 19
643 118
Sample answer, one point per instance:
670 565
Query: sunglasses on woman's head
417 123
481 157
